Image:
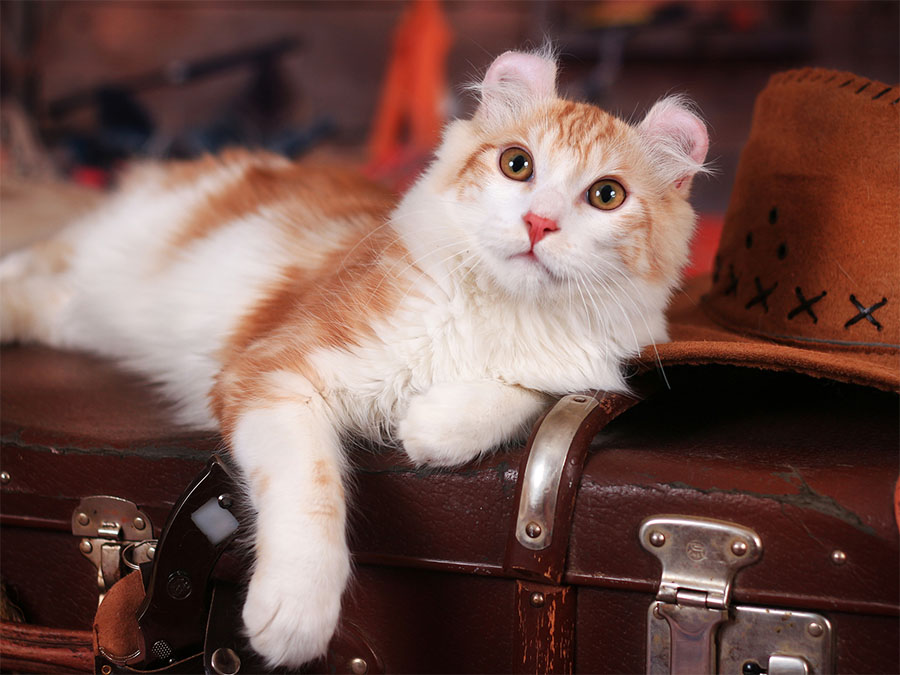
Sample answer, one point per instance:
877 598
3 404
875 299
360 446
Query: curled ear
517 78
676 140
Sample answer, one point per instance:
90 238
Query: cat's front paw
446 426
290 617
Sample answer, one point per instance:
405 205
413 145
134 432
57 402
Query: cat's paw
448 425
290 617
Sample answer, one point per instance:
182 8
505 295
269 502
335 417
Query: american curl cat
288 306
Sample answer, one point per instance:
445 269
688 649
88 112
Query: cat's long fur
287 306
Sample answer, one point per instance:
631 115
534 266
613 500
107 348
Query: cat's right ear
677 139
516 79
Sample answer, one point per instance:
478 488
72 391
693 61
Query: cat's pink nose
538 227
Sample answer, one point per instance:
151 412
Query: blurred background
89 86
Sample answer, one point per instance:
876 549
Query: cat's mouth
532 258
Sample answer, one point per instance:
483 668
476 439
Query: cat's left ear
677 140
517 78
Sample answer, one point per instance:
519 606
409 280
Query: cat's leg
35 290
455 422
291 456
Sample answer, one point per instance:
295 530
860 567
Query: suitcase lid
73 426
809 465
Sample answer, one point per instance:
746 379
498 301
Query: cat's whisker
659 364
613 297
600 317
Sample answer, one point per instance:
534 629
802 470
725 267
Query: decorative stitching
749 240
732 281
782 251
840 86
762 295
881 93
741 327
806 305
717 268
773 215
830 79
865 312
863 87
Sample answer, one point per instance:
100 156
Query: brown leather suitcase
739 520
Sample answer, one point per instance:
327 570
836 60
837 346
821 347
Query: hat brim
697 339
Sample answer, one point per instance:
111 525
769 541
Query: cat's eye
606 194
516 163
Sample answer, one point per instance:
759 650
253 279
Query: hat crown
810 248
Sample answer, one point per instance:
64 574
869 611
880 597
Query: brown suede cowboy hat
807 274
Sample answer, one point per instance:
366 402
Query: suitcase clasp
692 627
111 528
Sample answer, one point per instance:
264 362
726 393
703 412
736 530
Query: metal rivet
151 552
5 477
533 530
838 557
359 666
179 585
86 546
139 523
580 399
657 538
815 629
225 661
537 599
82 519
225 501
739 547
106 670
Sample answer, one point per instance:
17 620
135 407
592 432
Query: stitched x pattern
731 288
806 305
762 295
865 312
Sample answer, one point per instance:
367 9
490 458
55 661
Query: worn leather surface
810 465
38 649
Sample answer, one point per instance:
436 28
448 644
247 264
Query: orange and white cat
288 306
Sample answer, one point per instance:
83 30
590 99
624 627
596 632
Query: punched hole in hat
881 93
782 251
862 88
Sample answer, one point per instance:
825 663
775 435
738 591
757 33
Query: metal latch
692 614
114 532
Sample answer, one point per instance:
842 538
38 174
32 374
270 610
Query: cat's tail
35 290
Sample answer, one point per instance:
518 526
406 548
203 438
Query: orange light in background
409 116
